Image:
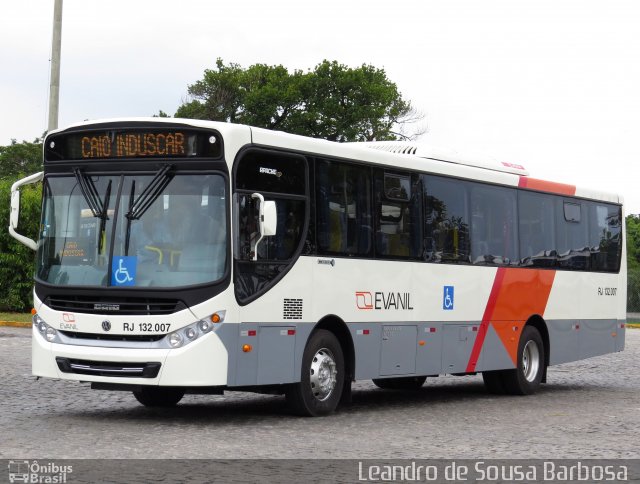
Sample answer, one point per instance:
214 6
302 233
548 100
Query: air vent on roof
430 152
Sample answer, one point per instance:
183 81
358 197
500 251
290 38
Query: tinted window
571 236
446 220
279 247
343 209
398 215
605 238
264 171
493 225
537 230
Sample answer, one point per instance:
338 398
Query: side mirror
267 222
269 218
14 216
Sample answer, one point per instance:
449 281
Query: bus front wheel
322 380
158 396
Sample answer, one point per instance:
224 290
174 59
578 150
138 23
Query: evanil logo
270 171
383 300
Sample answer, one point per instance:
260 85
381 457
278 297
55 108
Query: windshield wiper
97 207
146 198
90 193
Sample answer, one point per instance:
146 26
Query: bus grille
108 368
148 338
117 306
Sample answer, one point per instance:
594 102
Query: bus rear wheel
525 379
158 396
401 383
323 371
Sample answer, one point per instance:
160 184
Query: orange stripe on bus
546 186
516 295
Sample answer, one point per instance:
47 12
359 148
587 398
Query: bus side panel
563 341
596 337
494 355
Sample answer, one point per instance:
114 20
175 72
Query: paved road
589 409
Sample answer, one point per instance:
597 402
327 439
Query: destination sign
120 144
133 145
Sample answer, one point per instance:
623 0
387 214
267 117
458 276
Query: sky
551 85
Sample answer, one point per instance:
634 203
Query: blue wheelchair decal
123 271
447 298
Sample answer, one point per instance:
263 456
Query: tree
16 260
633 263
333 101
20 158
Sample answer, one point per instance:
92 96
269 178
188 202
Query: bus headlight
51 334
48 333
204 326
175 340
191 333
186 335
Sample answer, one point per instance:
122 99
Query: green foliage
333 101
17 260
633 263
633 241
19 158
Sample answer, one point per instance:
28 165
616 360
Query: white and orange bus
179 256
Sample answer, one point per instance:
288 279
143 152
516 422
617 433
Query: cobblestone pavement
588 409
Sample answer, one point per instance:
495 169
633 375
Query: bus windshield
163 229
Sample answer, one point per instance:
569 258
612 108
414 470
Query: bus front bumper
203 362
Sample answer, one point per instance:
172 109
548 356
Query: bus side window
572 236
605 237
398 215
343 209
537 230
446 220
493 231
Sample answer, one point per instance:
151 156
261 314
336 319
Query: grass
16 317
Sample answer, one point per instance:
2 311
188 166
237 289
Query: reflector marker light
430 330
362 331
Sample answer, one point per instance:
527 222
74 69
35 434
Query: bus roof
406 154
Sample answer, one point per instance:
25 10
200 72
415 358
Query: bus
179 256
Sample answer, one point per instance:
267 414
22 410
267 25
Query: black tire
158 396
400 383
526 378
323 371
493 382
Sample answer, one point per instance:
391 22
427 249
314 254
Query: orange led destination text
133 145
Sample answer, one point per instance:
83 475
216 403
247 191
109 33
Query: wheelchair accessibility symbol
123 271
447 298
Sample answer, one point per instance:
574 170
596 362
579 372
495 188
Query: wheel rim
323 374
530 360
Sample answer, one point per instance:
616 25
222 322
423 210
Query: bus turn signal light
247 348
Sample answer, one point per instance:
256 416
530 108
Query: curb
15 324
